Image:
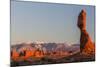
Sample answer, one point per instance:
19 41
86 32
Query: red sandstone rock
86 45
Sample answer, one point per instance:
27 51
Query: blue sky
48 22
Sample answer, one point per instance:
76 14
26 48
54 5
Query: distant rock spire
86 45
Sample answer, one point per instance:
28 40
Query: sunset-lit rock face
25 53
34 51
14 55
82 20
86 45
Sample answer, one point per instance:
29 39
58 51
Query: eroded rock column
86 45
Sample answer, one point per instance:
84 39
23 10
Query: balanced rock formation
87 47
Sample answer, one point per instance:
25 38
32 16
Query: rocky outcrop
87 47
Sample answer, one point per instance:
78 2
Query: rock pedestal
86 45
